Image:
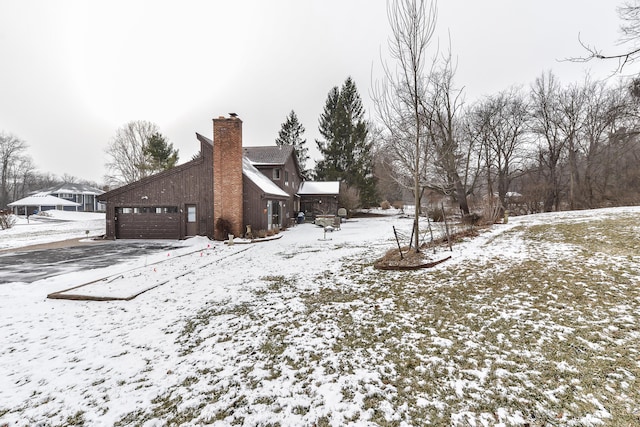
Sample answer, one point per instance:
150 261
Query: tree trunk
462 197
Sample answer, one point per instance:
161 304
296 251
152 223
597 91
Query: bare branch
630 28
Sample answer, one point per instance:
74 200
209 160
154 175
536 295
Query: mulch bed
412 260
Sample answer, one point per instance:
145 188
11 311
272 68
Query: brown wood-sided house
224 185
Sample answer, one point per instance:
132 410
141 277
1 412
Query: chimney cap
234 115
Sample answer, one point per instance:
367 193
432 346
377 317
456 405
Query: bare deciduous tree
608 136
399 96
571 101
442 110
546 126
127 161
22 174
11 151
499 124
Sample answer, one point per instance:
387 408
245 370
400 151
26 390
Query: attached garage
147 222
173 204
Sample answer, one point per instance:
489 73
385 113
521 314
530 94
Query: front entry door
192 220
273 214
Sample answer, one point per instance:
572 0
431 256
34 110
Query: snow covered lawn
536 322
57 225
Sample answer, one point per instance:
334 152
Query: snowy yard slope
535 322
57 225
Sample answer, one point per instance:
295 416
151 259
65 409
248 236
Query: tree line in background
546 147
18 174
137 150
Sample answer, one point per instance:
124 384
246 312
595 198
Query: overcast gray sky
72 72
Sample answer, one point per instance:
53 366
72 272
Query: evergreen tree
346 149
159 153
291 134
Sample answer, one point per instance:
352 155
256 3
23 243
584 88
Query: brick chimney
227 175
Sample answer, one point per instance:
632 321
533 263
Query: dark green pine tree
159 153
291 134
346 150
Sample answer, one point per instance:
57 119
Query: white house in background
85 196
41 202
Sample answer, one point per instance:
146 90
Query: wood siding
255 206
290 169
188 184
321 204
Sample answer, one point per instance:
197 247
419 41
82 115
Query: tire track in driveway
118 287
28 266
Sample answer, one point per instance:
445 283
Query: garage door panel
148 226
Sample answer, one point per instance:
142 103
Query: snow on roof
319 187
72 188
43 199
259 179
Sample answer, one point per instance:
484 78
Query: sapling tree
398 98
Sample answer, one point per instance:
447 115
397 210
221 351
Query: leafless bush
223 226
349 198
7 220
472 219
398 204
436 215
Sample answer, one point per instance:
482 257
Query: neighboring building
41 202
222 191
84 198
319 198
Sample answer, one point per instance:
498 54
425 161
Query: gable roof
143 181
261 180
43 199
269 155
72 188
319 188
204 139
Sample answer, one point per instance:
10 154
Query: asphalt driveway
28 266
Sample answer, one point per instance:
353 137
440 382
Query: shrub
223 226
436 215
7 220
472 219
349 198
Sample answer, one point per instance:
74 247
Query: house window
147 210
276 173
191 213
286 178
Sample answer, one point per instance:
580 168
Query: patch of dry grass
550 339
